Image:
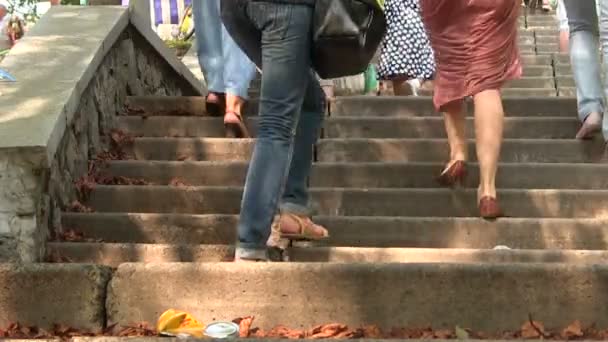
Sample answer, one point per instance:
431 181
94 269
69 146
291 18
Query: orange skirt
475 43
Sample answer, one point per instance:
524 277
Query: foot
591 125
489 208
454 173
215 104
299 227
235 126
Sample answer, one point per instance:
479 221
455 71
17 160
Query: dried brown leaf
574 330
177 182
78 207
532 329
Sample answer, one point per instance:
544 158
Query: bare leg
234 104
455 127
402 88
564 41
489 117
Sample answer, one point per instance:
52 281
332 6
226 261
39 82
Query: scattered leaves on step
461 334
57 258
183 157
574 330
17 331
244 325
118 141
71 235
84 186
121 180
529 330
133 110
138 330
533 329
78 207
177 182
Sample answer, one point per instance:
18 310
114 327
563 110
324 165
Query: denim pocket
271 18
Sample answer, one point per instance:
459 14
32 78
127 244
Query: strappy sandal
306 229
235 128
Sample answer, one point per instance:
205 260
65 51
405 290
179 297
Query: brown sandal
235 128
306 228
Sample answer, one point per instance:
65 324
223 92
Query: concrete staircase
403 250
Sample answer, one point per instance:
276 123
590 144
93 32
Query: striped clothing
165 11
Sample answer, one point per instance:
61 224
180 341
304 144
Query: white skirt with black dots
406 51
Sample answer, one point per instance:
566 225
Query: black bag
346 36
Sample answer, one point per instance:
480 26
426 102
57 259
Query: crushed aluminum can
222 330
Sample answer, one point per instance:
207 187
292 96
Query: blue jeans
277 37
582 19
226 68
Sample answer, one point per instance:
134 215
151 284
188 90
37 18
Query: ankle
486 191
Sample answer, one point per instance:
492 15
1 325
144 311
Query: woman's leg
455 127
564 31
283 31
603 20
208 27
489 117
295 199
238 73
583 25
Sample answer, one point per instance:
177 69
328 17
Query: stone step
369 150
565 81
561 58
429 232
370 175
436 150
545 30
433 127
567 92
175 105
547 40
505 295
115 254
563 70
538 71
524 40
42 295
527 48
515 92
350 127
354 202
547 47
536 60
420 106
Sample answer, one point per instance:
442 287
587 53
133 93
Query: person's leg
239 70
208 31
564 31
455 127
583 25
603 20
295 199
489 117
284 32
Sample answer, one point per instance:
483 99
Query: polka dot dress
406 51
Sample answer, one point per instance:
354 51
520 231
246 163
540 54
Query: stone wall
36 197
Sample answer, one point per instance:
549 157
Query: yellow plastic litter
174 322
